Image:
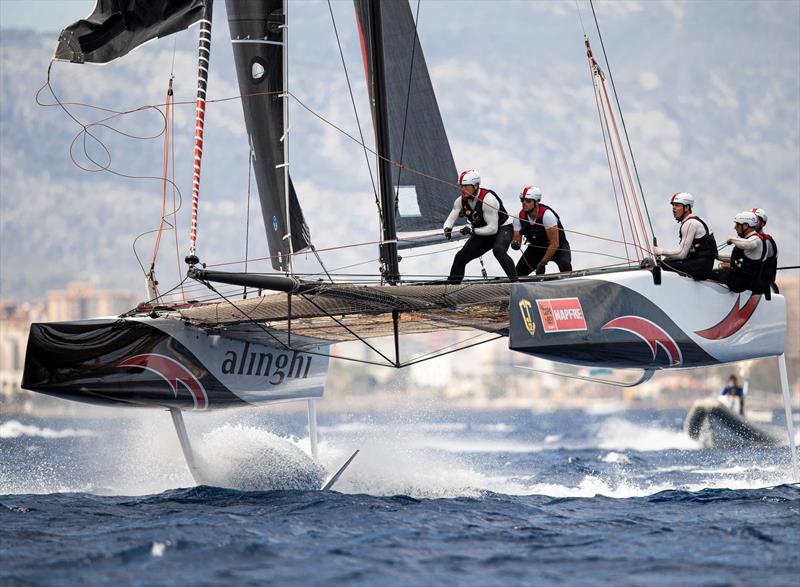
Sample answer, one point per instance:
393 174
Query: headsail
417 137
116 27
257 35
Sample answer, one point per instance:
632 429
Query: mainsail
257 36
417 138
116 27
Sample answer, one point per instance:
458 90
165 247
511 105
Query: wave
16 429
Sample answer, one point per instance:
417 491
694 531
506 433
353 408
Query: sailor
733 391
697 248
542 229
489 226
753 262
761 219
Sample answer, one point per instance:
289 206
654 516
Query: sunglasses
528 200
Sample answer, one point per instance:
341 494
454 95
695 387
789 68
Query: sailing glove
540 269
516 245
448 233
466 229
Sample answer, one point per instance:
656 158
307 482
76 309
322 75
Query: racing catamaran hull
625 320
156 362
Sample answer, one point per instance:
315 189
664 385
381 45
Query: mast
389 260
204 54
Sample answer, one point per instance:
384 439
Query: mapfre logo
525 310
561 315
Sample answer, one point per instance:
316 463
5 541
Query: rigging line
355 111
634 196
605 145
247 220
414 362
408 100
175 202
319 259
439 350
290 348
622 186
622 118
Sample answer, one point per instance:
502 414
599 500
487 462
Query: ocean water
462 498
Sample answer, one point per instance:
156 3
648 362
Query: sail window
257 70
407 204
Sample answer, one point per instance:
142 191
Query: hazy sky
710 91
42 15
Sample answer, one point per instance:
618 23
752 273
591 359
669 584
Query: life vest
702 247
534 230
475 215
769 271
761 272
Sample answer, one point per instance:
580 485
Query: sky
710 93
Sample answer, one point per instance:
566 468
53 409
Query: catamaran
178 354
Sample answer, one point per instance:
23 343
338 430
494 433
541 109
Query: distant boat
716 426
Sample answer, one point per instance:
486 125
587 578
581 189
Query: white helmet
531 192
684 198
746 217
761 213
469 177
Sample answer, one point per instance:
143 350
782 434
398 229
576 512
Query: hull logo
561 314
733 322
525 310
173 372
651 333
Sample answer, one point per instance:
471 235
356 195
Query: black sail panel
256 34
116 27
417 137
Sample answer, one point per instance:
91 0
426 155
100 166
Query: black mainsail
256 28
416 134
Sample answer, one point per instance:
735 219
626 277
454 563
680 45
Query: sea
507 498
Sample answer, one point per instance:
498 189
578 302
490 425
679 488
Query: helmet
761 213
531 192
469 177
684 198
746 217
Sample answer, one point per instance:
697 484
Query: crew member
542 229
761 219
732 391
753 262
489 226
697 248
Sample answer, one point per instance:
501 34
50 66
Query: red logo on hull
173 372
733 322
651 333
561 315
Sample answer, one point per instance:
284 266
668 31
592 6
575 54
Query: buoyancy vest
475 215
702 247
534 230
761 272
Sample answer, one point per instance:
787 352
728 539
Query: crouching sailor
489 226
697 248
542 229
753 263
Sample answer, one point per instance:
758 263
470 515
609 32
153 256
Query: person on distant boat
732 391
753 263
542 229
697 248
489 226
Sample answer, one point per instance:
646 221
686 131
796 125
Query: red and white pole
203 57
